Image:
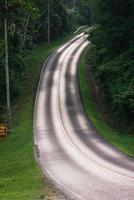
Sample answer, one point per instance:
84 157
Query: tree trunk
7 75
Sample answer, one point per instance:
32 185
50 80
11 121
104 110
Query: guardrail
81 29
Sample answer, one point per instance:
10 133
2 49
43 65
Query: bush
117 80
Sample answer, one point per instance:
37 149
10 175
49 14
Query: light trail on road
70 151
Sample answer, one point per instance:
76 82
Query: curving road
69 149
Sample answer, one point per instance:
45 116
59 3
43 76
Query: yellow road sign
3 131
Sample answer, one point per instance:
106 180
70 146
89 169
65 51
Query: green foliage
112 37
121 140
27 23
16 13
83 12
115 20
59 24
20 178
118 83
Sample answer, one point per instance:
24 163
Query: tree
113 38
15 13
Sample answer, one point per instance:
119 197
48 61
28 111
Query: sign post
74 13
3 131
7 70
48 21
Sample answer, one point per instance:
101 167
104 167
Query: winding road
69 150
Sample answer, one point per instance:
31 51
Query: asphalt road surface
69 149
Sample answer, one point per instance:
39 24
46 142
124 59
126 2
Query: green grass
20 177
124 142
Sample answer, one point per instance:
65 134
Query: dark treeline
27 23
112 55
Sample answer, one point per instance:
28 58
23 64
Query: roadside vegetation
112 58
110 61
20 177
27 27
120 139
27 35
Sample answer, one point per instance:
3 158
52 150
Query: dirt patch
52 192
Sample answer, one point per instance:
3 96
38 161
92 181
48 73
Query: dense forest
111 53
27 23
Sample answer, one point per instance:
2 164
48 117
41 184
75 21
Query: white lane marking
58 182
54 97
68 136
35 125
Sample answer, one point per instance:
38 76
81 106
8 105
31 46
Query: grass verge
20 177
123 141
